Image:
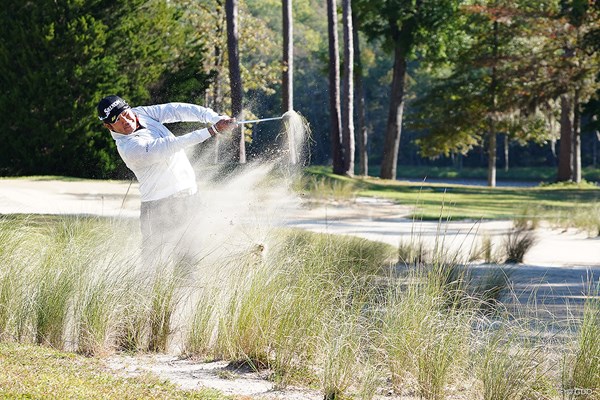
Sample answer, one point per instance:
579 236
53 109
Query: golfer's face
125 123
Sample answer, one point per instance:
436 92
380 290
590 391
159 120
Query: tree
363 156
575 76
404 27
235 77
337 149
71 54
498 82
348 90
288 57
565 155
259 48
287 80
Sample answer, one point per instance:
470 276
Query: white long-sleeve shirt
156 156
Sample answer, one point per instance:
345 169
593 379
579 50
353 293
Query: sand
364 217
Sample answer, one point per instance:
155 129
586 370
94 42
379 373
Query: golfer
167 181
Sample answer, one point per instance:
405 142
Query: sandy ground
557 266
369 218
47 196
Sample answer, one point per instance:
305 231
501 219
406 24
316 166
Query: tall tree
499 83
337 150
288 73
402 34
565 155
348 89
363 156
235 77
578 64
492 136
206 34
288 57
404 27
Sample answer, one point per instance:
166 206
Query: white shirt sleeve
180 112
140 150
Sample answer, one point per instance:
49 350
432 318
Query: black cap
110 107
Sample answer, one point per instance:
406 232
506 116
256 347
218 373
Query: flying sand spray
235 224
295 129
248 203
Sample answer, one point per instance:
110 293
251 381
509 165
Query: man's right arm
180 112
142 151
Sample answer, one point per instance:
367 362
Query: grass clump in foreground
333 313
31 371
583 364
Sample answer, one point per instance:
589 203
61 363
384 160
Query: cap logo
108 109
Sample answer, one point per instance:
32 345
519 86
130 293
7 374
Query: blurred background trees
462 83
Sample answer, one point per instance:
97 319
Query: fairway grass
559 204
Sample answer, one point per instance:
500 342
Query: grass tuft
517 243
584 367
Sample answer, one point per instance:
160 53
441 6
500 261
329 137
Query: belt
182 194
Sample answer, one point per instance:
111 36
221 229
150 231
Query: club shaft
252 121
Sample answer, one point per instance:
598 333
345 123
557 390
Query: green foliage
70 55
492 79
425 20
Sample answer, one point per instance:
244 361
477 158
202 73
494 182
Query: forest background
453 82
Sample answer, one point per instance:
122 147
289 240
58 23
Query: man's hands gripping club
224 125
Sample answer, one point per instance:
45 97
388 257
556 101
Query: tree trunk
288 57
491 179
216 93
506 143
576 139
235 78
565 153
394 123
403 41
595 141
337 151
348 89
363 168
288 74
216 100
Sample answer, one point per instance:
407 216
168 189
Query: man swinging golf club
167 181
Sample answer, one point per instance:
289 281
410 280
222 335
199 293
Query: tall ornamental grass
19 248
335 312
513 365
583 363
278 311
424 337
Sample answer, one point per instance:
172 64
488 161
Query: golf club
286 116
252 121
